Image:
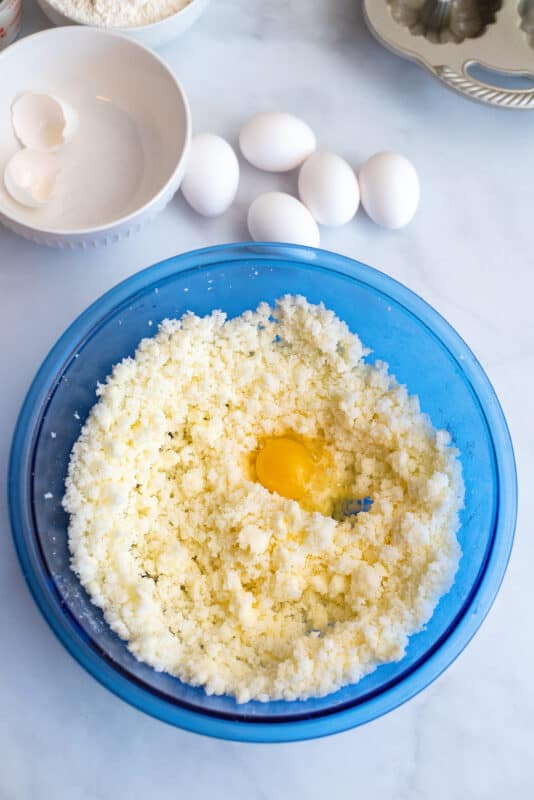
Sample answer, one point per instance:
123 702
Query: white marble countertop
469 253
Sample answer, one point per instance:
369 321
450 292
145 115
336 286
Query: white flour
119 13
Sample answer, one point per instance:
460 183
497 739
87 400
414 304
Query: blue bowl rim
481 599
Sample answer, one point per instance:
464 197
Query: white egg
31 177
389 189
279 217
276 142
329 188
43 122
212 175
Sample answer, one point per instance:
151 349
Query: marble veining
468 252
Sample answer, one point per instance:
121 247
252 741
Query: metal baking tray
448 37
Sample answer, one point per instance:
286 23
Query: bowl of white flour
151 22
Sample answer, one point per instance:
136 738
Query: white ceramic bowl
155 35
127 158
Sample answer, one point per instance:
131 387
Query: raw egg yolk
284 466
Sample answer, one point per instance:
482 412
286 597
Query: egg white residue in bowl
206 495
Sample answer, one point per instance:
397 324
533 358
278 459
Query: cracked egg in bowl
280 504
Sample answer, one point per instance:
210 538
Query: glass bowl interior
421 350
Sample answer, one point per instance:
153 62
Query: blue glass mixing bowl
423 352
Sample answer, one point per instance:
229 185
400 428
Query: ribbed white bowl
128 156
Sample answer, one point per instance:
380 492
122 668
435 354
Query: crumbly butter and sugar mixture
125 13
210 576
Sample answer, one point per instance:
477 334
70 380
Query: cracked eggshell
43 122
30 177
279 217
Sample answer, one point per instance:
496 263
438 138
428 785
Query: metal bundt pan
448 37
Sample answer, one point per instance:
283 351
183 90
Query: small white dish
154 35
127 158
